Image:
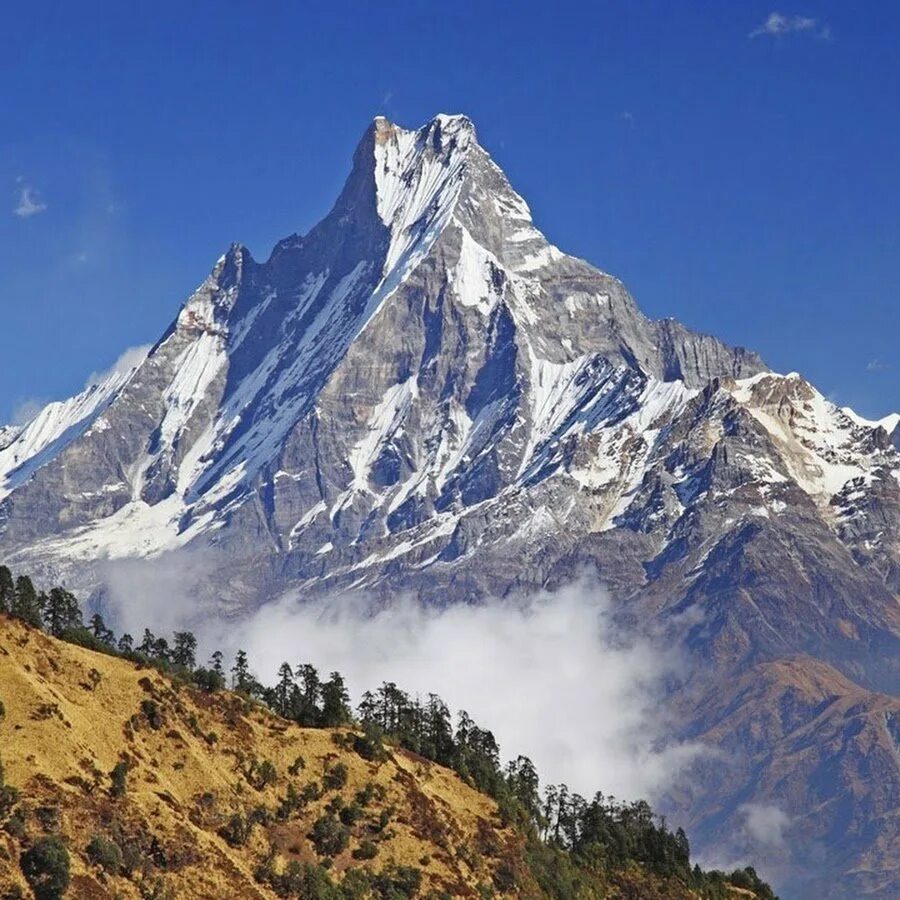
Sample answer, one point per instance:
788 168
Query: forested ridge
571 846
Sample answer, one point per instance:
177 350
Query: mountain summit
423 393
424 346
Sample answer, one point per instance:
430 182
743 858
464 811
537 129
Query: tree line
570 838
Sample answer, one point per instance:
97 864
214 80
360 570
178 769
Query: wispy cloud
765 824
29 201
777 25
876 365
26 409
129 359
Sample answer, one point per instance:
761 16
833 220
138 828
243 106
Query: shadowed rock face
424 394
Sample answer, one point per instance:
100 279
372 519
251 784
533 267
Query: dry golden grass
73 714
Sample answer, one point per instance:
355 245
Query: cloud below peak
551 674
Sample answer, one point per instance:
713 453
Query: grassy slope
72 714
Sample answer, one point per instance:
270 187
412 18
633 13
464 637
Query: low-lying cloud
765 825
550 674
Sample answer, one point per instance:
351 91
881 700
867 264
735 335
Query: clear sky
739 170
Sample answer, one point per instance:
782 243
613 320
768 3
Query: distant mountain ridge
424 394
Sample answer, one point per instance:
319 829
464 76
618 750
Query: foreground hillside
157 789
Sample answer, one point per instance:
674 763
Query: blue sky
739 171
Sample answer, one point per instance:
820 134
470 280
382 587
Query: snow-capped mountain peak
387 383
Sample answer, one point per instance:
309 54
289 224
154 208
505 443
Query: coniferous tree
525 785
99 630
240 672
161 650
310 691
184 652
438 731
335 702
126 643
284 690
7 590
27 603
147 645
215 663
61 612
368 709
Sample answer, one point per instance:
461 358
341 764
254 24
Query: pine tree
215 663
148 643
438 743
522 778
7 590
27 604
126 643
284 690
185 650
368 709
161 650
240 672
310 692
335 702
99 629
61 612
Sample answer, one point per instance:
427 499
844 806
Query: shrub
9 797
365 796
48 816
311 792
335 777
296 766
119 779
329 836
105 853
152 714
15 825
351 814
236 830
46 868
315 883
289 804
398 881
263 775
370 744
366 850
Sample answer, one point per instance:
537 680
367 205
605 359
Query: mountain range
423 394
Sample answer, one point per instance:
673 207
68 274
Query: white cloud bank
550 675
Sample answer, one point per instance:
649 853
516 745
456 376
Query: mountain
424 394
157 789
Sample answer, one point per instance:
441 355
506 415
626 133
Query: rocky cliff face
424 393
